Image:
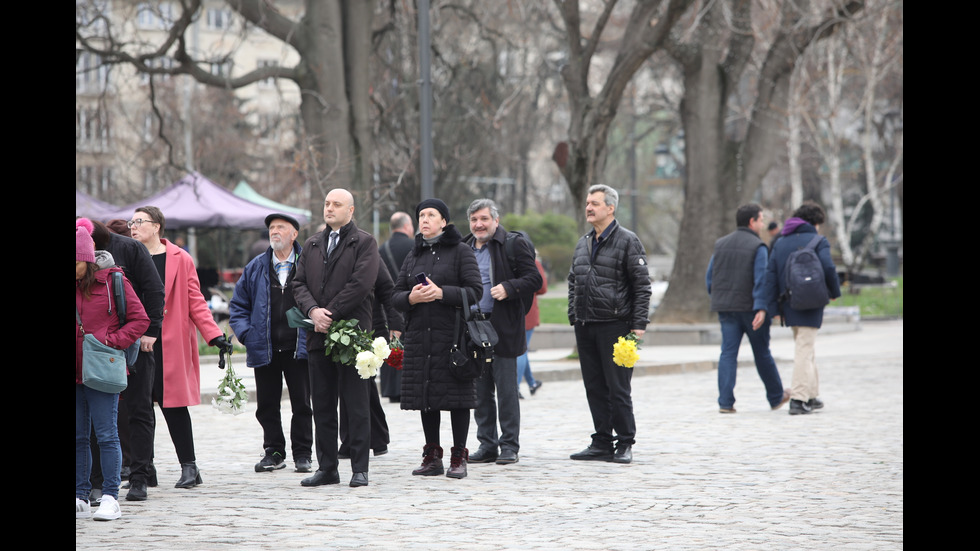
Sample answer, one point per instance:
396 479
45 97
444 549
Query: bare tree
488 77
582 157
734 119
870 50
333 39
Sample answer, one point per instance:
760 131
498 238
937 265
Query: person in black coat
386 322
608 298
136 418
507 286
446 268
330 285
393 253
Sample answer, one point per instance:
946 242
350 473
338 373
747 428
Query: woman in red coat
177 381
96 313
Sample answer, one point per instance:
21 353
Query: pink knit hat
84 246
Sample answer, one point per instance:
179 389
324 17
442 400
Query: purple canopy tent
196 202
90 207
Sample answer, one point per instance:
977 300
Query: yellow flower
624 351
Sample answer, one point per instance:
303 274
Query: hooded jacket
796 234
99 316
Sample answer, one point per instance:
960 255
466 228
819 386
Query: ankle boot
431 461
457 464
189 476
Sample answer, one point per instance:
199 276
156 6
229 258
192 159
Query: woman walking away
430 287
96 313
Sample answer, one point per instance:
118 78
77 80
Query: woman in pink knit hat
96 314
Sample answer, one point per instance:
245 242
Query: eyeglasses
138 222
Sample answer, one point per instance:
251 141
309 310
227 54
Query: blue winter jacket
796 235
249 311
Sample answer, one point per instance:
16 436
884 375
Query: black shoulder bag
472 349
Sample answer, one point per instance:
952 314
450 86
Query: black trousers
328 383
136 407
178 419
379 423
268 398
607 385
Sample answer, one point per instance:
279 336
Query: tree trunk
724 171
324 106
358 19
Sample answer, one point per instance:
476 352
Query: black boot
431 461
457 464
189 476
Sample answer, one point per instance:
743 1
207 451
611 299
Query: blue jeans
733 326
524 365
99 410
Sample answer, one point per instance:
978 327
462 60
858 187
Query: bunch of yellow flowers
624 351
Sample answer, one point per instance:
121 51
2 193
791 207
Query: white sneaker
82 509
108 510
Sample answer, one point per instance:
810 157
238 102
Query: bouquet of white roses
347 343
231 397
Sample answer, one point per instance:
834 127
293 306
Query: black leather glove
222 344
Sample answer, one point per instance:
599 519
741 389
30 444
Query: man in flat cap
275 350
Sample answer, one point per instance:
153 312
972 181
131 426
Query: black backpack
509 244
118 292
512 236
806 288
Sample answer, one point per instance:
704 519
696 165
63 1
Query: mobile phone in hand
420 277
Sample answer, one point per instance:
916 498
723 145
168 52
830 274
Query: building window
221 69
95 181
91 129
90 74
154 15
218 19
91 15
157 63
267 82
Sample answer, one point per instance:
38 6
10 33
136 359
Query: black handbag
473 342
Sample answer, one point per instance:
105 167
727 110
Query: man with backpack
510 279
800 280
735 280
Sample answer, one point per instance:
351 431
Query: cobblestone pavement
757 479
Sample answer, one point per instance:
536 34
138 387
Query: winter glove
224 347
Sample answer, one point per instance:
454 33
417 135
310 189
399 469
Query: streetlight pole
425 101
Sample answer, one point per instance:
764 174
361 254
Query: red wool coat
184 313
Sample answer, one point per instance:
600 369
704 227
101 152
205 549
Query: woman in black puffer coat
430 311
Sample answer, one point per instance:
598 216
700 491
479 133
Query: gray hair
612 196
481 204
